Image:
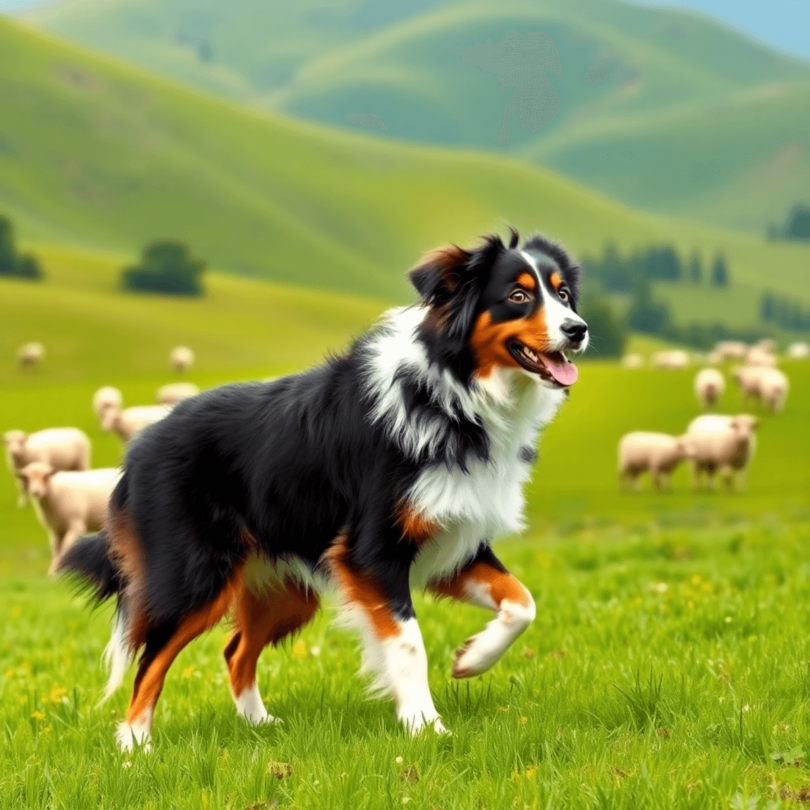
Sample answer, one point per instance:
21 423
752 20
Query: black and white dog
386 469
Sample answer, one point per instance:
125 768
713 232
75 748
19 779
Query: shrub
12 263
168 267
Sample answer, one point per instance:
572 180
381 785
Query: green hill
662 108
93 153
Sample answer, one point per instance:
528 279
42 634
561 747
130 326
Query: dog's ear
438 276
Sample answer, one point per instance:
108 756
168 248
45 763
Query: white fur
117 656
262 574
138 732
249 704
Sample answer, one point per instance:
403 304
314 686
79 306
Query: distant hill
94 153
661 108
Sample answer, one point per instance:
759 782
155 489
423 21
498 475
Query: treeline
796 227
13 263
784 312
617 273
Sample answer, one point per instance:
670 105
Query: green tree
647 315
798 223
695 269
767 307
11 262
720 277
167 266
608 333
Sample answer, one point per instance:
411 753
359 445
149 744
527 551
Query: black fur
88 561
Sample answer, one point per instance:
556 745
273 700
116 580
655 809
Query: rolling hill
661 108
94 153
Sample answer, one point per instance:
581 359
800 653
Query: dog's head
503 306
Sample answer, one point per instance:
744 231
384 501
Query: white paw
129 736
418 720
475 657
251 707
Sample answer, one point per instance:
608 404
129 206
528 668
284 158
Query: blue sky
784 24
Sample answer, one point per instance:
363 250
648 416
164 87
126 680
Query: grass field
668 666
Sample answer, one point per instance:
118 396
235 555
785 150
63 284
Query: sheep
799 351
131 421
727 444
107 397
659 453
62 448
173 393
767 385
68 504
709 387
731 350
30 355
767 345
756 356
633 361
182 358
674 358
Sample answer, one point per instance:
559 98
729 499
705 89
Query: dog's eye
563 294
519 296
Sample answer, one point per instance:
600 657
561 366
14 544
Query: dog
388 468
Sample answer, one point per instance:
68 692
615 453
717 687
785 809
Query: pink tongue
564 373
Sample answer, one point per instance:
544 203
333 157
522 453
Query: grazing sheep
767 345
721 443
659 453
173 393
182 358
759 357
709 387
731 350
674 358
68 504
107 397
30 355
633 361
61 448
131 421
799 351
767 385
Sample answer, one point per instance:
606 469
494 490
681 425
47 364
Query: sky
784 24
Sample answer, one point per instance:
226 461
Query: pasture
668 664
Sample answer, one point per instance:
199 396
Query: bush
168 267
798 223
11 263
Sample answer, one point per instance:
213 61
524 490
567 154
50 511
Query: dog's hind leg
486 583
261 619
164 642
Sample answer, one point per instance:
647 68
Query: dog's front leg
377 602
486 583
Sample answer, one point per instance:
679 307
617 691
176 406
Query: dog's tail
88 563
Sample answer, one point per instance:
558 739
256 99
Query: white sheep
61 448
672 359
757 356
719 443
173 393
799 351
68 504
182 358
658 453
30 354
709 387
731 350
633 361
767 345
107 397
767 385
131 421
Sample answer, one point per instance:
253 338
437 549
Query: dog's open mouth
552 366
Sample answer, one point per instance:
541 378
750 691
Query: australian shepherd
388 468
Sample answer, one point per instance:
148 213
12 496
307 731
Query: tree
720 271
646 315
11 262
798 223
767 307
695 269
608 334
167 266
662 263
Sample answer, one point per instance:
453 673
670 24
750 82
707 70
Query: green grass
100 156
667 666
694 119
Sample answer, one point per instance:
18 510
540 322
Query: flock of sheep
52 467
712 442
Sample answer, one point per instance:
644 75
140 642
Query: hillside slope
94 153
651 99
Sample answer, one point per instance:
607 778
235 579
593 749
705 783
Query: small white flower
316 651
398 760
746 708
659 587
728 620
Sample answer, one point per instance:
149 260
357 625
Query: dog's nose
575 331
